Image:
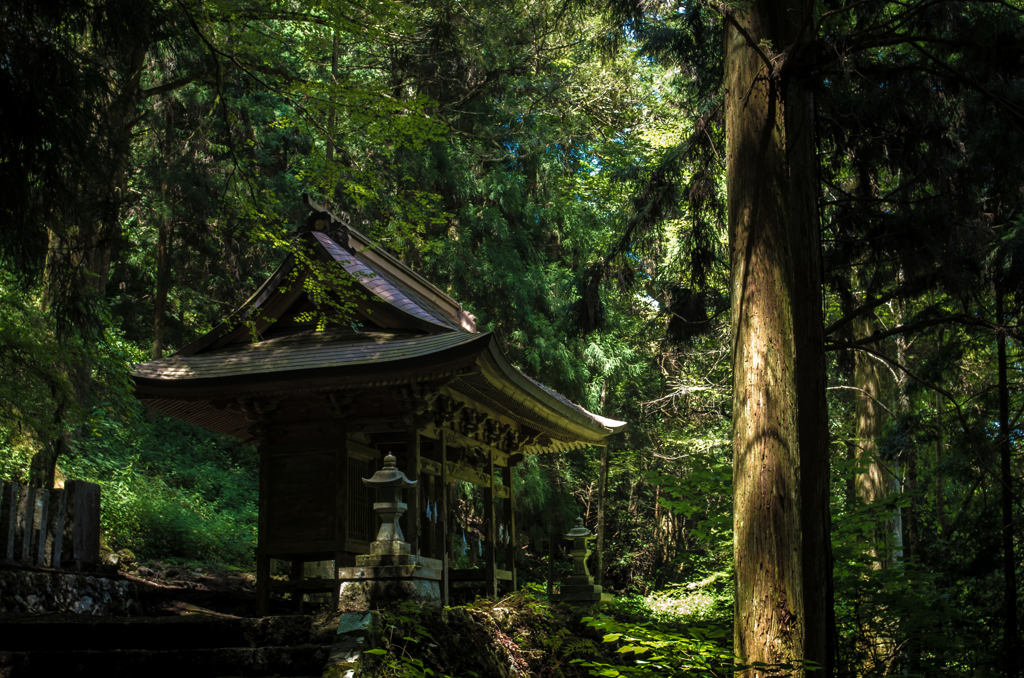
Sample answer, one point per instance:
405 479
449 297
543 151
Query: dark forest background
559 168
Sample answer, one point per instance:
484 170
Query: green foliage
41 395
647 649
702 602
170 489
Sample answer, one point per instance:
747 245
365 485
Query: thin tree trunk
910 457
781 520
940 489
872 484
331 117
1010 632
163 284
601 495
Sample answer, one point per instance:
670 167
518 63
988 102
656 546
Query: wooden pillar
429 540
340 504
262 521
490 532
262 585
414 499
446 540
296 575
510 523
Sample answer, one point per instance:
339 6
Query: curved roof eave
583 420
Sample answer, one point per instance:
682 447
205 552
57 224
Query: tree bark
780 437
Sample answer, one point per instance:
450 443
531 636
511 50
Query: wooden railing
50 528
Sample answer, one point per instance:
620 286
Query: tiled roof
388 289
305 351
604 421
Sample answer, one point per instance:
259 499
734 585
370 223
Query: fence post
81 534
26 510
39 524
8 514
55 528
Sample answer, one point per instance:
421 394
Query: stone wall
26 591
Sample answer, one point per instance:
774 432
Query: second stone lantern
390 573
580 587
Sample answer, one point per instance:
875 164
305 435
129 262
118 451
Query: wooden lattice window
362 522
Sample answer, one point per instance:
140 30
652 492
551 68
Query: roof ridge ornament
323 220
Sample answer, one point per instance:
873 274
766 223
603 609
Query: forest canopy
785 241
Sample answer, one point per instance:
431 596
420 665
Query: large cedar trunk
782 551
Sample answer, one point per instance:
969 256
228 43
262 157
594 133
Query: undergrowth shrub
171 489
708 601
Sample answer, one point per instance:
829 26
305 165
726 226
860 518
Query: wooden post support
491 532
262 585
340 504
429 542
296 575
446 541
262 534
510 524
415 499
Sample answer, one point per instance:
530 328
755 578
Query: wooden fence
50 528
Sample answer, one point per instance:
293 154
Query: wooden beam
456 439
476 574
463 472
375 424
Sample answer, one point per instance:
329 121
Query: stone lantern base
381 580
581 589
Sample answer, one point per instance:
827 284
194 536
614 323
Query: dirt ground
177 589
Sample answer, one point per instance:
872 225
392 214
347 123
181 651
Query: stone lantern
390 573
389 483
580 587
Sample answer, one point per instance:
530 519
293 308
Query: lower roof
194 387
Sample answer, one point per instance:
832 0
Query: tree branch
175 84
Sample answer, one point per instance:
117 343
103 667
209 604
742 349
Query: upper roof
411 332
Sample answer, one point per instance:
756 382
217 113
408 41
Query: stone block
581 593
375 594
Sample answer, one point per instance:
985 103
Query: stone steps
191 646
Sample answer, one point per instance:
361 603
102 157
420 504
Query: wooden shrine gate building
409 375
